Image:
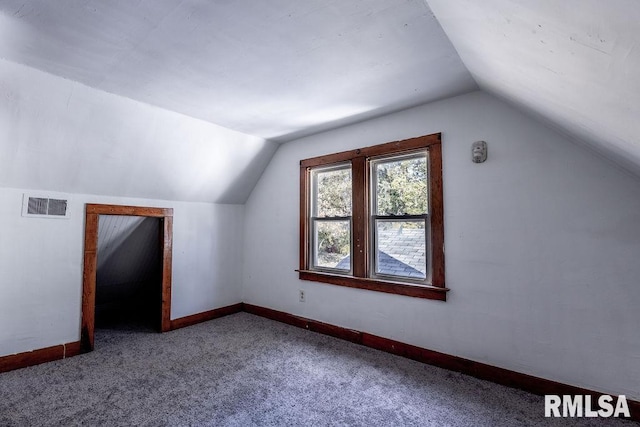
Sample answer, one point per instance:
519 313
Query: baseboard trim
36 357
62 351
183 322
304 323
480 370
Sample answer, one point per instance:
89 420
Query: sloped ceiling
275 69
283 69
574 63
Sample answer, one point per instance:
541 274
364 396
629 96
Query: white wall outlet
302 298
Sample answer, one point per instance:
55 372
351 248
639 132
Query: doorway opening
128 273
133 285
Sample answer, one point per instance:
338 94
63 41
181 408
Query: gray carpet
244 370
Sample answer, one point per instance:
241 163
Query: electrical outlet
301 295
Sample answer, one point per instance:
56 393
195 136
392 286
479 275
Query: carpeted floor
243 370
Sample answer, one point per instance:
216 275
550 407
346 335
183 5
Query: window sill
398 288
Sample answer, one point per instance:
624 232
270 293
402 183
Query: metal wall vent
45 207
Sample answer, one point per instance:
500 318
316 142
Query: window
372 218
331 218
399 216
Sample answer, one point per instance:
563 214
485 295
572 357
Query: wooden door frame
92 212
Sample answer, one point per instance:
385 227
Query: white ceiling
284 68
278 69
574 63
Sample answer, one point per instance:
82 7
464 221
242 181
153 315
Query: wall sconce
479 151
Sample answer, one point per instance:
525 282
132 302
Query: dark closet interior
129 273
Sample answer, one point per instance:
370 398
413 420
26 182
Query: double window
372 218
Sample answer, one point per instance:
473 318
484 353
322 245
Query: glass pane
332 244
401 186
333 196
401 248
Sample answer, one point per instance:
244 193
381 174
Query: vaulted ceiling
275 69
284 68
573 63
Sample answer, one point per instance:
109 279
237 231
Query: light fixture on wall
479 151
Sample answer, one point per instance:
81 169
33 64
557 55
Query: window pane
401 248
332 244
333 196
401 186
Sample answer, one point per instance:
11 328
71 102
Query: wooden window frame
361 276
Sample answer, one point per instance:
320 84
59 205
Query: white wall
41 266
542 247
58 135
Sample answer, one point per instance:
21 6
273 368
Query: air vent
45 207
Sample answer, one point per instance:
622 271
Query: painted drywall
574 63
63 136
264 68
41 265
541 244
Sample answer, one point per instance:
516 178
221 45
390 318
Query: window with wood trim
372 218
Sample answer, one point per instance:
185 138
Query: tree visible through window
331 218
372 218
400 220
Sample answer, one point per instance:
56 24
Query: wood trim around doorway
91 263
